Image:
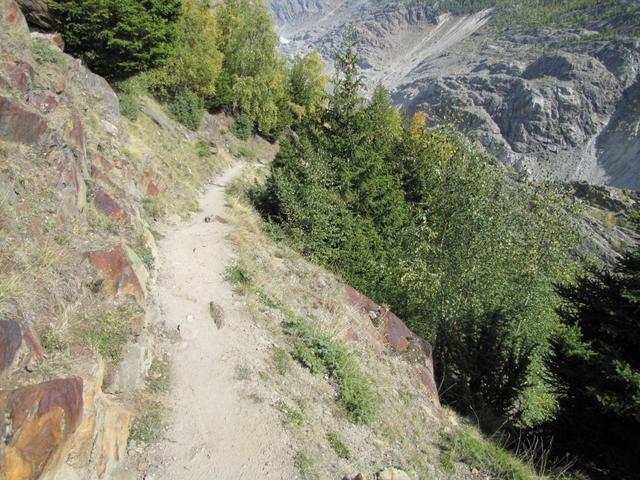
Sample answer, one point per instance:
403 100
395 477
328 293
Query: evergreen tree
596 368
118 38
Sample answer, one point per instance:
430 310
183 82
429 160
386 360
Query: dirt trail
214 431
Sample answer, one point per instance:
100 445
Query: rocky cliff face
76 256
555 103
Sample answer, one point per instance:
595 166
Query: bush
242 128
187 108
117 38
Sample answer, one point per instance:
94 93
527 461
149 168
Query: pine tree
596 368
118 38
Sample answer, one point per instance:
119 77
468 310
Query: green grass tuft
148 425
159 378
321 354
293 416
305 467
488 458
203 150
142 249
238 276
106 333
281 360
129 107
340 448
45 53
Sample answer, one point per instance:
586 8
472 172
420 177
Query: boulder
19 124
123 271
393 332
37 421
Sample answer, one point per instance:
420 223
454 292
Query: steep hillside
109 271
79 188
553 92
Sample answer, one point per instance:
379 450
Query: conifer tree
118 38
596 368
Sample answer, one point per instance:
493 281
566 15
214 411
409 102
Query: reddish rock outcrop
151 182
18 73
123 271
100 440
108 205
37 421
18 124
393 332
10 342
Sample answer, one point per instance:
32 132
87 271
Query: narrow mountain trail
215 430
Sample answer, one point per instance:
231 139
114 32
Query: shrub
242 128
187 108
117 38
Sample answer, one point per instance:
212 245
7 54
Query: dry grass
181 163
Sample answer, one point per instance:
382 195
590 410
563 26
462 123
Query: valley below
555 103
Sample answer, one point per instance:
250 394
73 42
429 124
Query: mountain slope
559 101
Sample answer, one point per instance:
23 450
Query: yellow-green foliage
254 79
308 86
489 459
195 61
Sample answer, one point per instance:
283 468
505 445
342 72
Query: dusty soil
214 430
